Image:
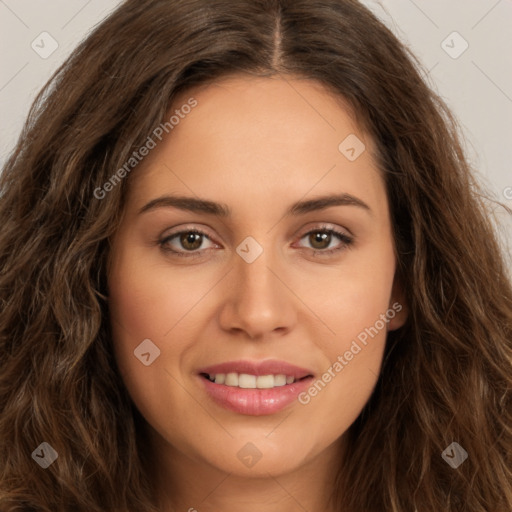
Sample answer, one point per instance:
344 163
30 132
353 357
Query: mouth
255 388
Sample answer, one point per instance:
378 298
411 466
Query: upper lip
267 367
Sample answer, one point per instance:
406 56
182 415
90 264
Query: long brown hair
447 374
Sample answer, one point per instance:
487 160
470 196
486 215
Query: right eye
189 242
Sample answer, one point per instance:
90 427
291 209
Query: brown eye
190 240
185 243
319 239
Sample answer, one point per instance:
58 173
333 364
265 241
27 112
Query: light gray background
477 85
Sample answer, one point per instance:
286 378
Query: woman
245 266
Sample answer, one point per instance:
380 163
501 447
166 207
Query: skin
258 145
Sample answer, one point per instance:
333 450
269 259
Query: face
251 284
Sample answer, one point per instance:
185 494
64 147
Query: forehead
260 137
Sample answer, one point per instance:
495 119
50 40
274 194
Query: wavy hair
447 373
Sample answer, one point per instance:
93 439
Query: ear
398 311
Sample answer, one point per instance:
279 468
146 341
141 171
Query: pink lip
256 402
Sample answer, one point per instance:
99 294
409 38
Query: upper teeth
244 380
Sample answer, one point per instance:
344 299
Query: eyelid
186 228
325 226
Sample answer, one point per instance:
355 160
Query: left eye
319 237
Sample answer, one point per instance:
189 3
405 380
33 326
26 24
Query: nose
259 302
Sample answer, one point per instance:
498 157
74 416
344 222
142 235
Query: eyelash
346 241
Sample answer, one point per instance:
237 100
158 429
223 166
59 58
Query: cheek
354 308
354 300
141 309
146 300
353 357
150 301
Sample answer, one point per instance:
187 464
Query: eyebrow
222 210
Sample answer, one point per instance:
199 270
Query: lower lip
255 402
